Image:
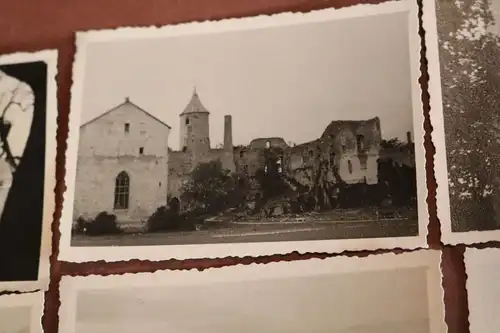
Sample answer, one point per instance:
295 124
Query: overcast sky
288 82
391 301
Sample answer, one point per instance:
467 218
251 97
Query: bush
167 219
102 224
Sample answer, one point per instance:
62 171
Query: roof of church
127 101
195 105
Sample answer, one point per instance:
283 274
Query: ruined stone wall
179 167
262 143
248 160
181 164
354 146
125 139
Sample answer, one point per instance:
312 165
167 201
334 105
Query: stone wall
125 139
95 186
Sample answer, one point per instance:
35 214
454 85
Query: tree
211 188
16 115
392 143
470 58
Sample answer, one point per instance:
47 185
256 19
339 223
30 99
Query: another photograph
483 290
21 313
28 125
463 51
272 134
385 293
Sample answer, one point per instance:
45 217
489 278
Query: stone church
125 165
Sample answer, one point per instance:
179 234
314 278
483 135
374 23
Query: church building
122 164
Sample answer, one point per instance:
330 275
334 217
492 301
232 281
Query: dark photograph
24 92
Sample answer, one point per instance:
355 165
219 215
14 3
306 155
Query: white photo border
35 300
474 260
49 200
162 252
430 259
438 139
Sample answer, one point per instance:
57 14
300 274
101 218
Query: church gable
124 110
126 130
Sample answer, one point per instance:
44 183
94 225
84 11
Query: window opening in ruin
184 149
349 166
141 150
241 182
159 184
265 169
187 121
268 144
127 127
279 162
242 153
360 142
122 191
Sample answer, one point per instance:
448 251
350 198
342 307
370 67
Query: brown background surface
32 25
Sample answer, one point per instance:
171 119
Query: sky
368 302
289 81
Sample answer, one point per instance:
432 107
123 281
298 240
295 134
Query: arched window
122 190
360 142
349 166
268 144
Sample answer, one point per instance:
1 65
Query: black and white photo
463 39
380 293
21 313
247 136
28 123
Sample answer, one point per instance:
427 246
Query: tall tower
194 127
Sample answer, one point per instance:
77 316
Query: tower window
184 149
187 121
141 150
242 153
127 127
268 144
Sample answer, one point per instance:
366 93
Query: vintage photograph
28 123
483 290
293 127
463 39
377 294
21 313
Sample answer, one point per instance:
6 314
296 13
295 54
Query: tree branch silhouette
14 99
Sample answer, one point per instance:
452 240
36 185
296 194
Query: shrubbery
102 224
166 219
